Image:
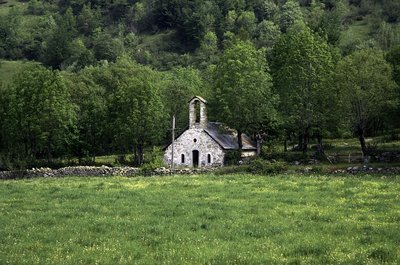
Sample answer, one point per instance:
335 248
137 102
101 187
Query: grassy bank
238 219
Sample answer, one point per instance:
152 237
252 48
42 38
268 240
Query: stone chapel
203 143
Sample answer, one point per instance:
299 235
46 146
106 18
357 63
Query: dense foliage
109 75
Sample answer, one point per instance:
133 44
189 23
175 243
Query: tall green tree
267 34
179 86
302 67
243 98
91 101
137 111
364 81
44 116
393 57
11 35
59 48
290 14
5 99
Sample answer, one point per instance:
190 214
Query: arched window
209 159
182 158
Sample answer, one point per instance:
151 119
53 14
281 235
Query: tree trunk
300 146
259 141
140 155
306 138
240 143
135 156
320 147
285 145
361 138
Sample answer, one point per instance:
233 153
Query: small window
182 158
209 159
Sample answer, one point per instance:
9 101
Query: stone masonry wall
195 139
71 171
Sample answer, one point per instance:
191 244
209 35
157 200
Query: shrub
288 156
232 157
155 160
260 166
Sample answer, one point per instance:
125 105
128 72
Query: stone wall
85 171
195 139
103 171
71 171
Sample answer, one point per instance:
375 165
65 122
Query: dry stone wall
104 171
70 171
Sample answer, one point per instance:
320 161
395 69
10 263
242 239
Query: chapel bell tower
197 113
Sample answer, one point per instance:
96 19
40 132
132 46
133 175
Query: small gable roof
199 98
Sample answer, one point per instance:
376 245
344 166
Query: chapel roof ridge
198 97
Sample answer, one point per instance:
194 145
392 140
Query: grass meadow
206 219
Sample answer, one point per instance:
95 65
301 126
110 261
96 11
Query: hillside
165 34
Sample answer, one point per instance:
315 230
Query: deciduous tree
302 70
364 81
43 112
137 111
243 98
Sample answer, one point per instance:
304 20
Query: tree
267 34
180 85
246 25
242 93
393 57
88 20
59 46
43 112
137 111
290 14
105 47
331 23
302 69
91 99
207 53
365 84
5 98
10 35
265 9
388 35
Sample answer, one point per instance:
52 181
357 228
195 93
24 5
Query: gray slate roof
227 137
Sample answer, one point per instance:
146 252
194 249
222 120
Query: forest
88 78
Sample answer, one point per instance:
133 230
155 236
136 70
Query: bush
288 156
260 166
232 157
155 160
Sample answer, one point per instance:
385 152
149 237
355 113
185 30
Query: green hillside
159 33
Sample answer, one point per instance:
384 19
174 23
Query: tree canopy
303 65
107 76
364 80
242 92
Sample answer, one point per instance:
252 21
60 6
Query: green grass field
237 219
